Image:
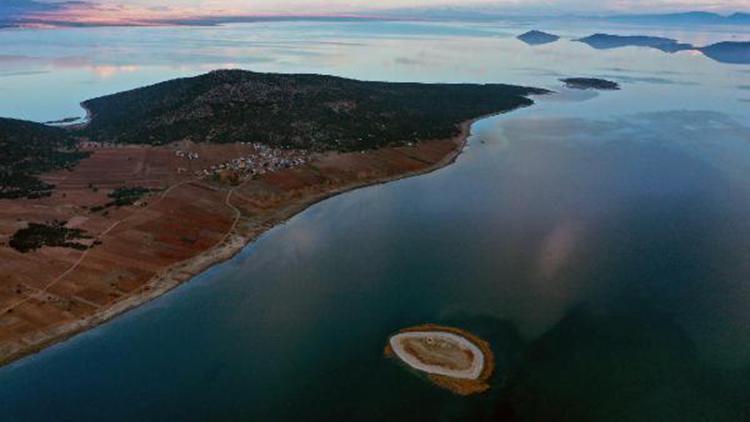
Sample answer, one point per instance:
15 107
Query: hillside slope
301 111
29 149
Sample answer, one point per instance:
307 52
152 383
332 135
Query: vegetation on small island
590 83
313 112
35 236
29 149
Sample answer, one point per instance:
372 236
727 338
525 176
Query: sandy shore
243 232
463 386
472 372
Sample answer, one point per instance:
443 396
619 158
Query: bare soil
185 225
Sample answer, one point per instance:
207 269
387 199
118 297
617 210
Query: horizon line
60 18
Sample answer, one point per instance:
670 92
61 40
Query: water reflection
680 188
633 365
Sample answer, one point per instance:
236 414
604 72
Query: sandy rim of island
234 243
460 386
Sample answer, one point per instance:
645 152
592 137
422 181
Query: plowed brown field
184 226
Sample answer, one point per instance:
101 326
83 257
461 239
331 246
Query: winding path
45 289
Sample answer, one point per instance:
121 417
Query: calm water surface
600 242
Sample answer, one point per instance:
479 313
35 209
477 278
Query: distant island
64 121
731 52
591 83
450 357
538 38
728 52
608 41
164 181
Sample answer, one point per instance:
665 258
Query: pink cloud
160 12
87 13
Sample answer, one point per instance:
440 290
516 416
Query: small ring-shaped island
450 357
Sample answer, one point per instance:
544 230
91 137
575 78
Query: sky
286 6
144 11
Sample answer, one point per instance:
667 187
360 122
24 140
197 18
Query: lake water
599 241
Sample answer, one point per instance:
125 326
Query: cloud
154 12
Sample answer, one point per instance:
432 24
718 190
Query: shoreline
457 385
79 123
472 373
240 236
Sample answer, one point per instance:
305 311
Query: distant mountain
538 38
740 18
688 18
608 41
728 52
447 13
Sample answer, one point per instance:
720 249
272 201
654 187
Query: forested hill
29 149
303 111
